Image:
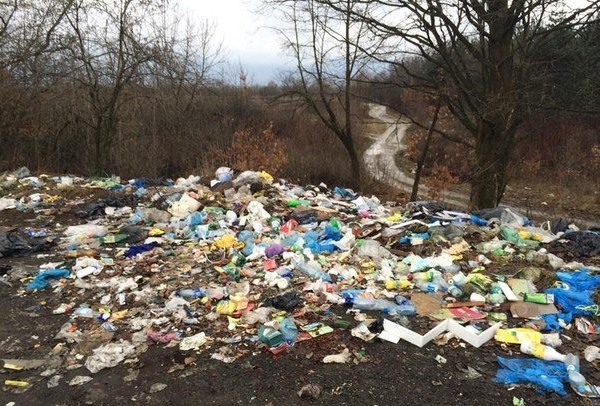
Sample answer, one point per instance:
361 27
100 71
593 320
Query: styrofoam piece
387 336
412 337
508 292
407 223
393 332
475 339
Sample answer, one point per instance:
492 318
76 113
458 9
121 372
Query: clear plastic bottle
383 305
430 287
311 269
190 293
289 330
458 280
576 379
455 291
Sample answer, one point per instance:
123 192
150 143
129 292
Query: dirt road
380 157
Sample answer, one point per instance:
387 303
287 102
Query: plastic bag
548 375
86 231
42 280
572 301
579 280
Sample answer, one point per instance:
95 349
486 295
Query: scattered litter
80 380
157 387
310 391
340 358
193 343
266 267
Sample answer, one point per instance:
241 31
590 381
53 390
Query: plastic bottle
289 330
577 381
426 276
519 334
542 351
495 298
455 291
190 293
441 282
312 269
384 306
214 293
458 280
406 307
428 286
398 284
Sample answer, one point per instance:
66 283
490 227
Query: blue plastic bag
579 280
552 323
570 300
549 376
41 281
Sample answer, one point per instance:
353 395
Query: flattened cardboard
467 313
426 303
527 310
463 304
519 287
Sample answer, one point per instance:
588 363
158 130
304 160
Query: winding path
380 157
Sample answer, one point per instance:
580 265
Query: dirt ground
390 374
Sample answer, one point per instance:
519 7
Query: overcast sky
245 36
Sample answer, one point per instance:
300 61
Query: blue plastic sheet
41 281
549 376
138 249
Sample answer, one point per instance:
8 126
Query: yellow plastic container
518 335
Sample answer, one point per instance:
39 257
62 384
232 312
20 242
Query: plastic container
312 269
426 276
398 284
270 336
190 293
455 291
542 351
519 335
541 298
576 379
383 305
289 330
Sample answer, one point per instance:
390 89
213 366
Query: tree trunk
489 180
421 162
354 160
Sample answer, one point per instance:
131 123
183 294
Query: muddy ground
391 374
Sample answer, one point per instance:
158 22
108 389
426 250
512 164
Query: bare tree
326 44
483 62
108 45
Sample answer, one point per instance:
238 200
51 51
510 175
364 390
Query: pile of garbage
254 260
